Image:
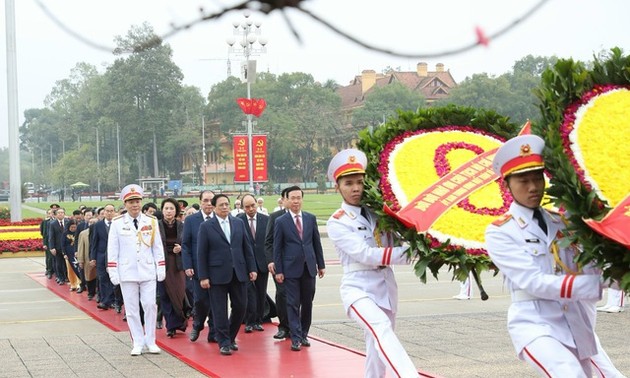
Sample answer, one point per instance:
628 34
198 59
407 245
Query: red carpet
259 355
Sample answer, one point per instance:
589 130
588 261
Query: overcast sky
566 28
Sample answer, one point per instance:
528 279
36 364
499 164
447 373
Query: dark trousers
174 320
227 328
300 295
91 287
61 269
105 287
281 306
256 299
50 262
201 308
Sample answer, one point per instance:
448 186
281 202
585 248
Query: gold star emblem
526 150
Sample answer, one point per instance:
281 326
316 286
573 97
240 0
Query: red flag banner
260 158
254 106
245 104
616 224
241 159
258 106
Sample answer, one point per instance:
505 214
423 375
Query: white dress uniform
368 287
551 319
135 259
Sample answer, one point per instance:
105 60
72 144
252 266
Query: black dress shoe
125 318
80 290
282 334
170 333
305 342
90 297
234 346
102 306
248 329
212 339
49 275
194 335
225 350
158 324
295 346
258 327
118 309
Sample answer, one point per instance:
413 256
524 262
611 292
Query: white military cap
131 191
519 154
347 162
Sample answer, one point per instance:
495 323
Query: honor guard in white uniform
552 316
135 259
368 287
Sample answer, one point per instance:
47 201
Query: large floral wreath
586 126
410 153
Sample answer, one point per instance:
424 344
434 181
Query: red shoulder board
338 214
502 220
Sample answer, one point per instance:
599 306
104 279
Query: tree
143 94
383 102
510 94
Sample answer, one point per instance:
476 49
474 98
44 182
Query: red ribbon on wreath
253 106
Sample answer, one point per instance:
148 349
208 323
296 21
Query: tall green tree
383 102
510 93
143 91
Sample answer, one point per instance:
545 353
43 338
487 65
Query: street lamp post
248 32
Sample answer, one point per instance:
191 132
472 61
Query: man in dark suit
201 299
55 243
226 264
98 258
256 223
281 296
43 231
299 258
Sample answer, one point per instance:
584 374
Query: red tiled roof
352 95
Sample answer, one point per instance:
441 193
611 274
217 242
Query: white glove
114 279
161 276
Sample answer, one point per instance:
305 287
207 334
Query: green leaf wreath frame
424 251
564 86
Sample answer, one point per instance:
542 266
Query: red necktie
298 224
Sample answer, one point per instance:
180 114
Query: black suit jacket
55 235
98 244
217 258
269 234
259 240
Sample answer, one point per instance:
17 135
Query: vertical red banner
260 158
241 159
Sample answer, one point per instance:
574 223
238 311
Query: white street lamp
251 44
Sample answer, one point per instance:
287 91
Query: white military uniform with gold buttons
135 259
368 287
551 296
